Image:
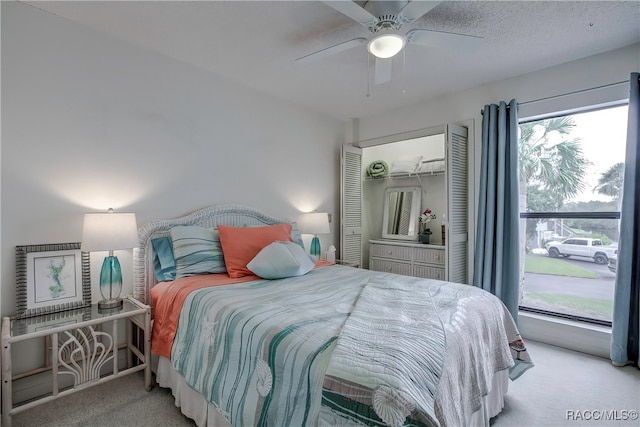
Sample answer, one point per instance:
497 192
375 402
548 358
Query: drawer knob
389 268
390 252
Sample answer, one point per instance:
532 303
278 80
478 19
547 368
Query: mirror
401 211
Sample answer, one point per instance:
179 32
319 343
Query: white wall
89 122
594 71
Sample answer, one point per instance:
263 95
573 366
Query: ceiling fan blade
415 9
332 50
443 39
382 70
353 11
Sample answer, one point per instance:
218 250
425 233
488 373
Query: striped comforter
344 346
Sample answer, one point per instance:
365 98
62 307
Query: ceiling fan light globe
386 45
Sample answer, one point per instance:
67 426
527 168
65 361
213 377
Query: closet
432 161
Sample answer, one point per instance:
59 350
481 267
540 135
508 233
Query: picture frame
51 278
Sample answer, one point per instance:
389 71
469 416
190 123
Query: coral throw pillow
241 244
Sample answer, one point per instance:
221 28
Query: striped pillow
197 250
295 234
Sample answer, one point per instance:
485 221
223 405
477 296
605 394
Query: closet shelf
405 175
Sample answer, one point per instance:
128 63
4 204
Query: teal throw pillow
163 262
281 259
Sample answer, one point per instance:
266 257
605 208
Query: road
601 288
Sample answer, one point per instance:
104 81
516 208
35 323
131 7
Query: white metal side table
82 350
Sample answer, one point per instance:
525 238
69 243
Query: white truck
583 247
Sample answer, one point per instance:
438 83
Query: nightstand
79 351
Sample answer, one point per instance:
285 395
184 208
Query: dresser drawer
429 256
402 253
428 272
390 266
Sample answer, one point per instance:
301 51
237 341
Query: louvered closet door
458 199
351 205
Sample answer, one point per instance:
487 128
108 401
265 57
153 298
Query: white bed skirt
194 406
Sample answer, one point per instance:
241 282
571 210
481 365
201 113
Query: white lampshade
109 231
315 223
386 45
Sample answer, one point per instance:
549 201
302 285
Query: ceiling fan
384 19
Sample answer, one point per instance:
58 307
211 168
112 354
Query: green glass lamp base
110 283
315 247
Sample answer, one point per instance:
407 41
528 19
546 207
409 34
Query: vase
110 283
424 238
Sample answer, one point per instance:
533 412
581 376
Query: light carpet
565 388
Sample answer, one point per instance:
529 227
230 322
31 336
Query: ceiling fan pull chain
404 71
368 74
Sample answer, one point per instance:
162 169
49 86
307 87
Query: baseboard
577 336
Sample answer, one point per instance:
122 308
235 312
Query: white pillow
281 259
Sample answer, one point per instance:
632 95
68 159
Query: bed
316 344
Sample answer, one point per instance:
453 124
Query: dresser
408 258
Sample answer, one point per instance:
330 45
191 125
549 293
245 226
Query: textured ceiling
256 43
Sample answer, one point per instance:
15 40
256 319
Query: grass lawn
542 264
599 309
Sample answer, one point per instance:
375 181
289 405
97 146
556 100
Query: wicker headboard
234 215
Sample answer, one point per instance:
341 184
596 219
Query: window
571 171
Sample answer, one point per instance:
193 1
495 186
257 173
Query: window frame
569 215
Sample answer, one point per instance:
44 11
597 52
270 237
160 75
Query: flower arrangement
426 217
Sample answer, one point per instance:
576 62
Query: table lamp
109 232
315 223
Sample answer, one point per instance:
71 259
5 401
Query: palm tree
549 159
610 182
551 162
